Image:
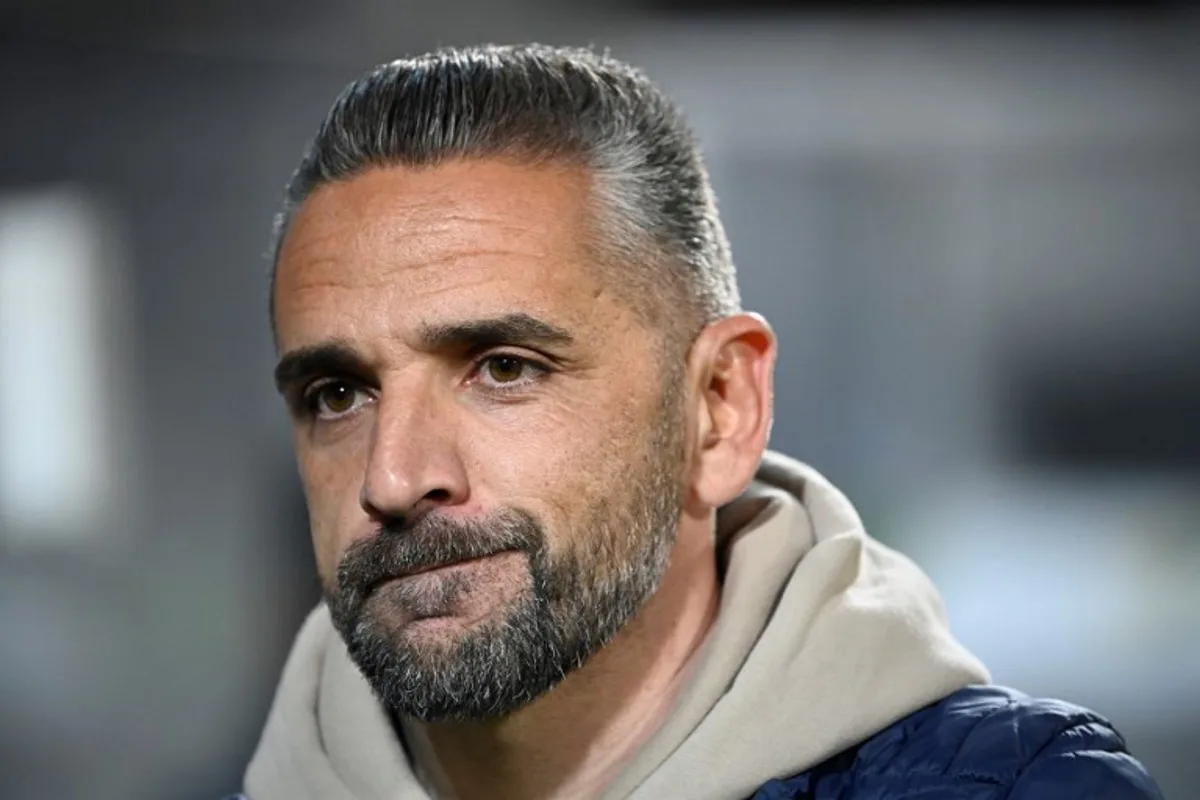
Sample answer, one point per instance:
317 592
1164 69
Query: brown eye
505 369
335 399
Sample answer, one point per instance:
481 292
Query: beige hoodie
824 637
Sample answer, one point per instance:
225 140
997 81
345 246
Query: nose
413 465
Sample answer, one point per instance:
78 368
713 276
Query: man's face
491 441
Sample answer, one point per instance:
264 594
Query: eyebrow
334 358
517 329
337 358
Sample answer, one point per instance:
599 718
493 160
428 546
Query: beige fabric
824 637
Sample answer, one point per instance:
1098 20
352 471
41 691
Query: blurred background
976 229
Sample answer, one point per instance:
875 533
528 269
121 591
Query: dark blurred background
975 227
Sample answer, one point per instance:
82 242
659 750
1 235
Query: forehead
397 247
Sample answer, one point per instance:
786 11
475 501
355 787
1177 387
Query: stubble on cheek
333 509
327 548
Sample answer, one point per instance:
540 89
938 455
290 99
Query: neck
574 740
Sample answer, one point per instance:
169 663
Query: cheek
332 484
558 459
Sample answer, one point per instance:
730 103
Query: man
530 418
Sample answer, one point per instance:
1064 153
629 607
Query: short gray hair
536 104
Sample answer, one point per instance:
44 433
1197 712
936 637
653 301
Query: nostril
439 496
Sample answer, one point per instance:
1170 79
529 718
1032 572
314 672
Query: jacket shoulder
983 743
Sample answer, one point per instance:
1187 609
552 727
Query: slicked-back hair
656 226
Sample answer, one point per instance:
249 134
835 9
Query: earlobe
734 359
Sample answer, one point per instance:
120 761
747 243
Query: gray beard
574 606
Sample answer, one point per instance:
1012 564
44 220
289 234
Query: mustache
402 547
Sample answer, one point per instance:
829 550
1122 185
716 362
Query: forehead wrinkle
445 220
396 239
401 324
396 214
457 271
355 250
450 236
392 207
415 246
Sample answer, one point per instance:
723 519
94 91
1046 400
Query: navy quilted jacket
982 743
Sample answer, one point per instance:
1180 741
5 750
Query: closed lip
444 565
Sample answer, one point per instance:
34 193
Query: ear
733 364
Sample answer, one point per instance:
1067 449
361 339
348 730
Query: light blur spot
56 449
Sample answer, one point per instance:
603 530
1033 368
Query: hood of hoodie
824 637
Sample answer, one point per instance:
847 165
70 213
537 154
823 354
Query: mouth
444 566
463 591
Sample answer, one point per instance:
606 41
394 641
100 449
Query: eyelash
540 370
310 398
